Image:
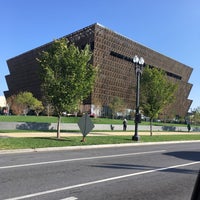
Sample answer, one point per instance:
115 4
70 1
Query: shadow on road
186 155
146 168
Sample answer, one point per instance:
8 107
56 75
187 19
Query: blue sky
170 27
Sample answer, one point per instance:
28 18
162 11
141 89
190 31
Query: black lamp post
139 63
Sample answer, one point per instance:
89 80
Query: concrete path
97 127
68 134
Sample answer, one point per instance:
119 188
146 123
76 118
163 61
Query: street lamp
139 63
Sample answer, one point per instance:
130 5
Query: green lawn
46 119
23 143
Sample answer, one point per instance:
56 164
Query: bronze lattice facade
113 54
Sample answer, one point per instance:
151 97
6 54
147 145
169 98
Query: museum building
113 54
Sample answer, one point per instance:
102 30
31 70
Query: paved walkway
68 134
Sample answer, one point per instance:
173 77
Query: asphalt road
166 171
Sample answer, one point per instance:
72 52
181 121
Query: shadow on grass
54 139
128 139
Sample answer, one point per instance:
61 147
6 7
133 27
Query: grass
23 143
51 119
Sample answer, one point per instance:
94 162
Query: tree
116 105
48 109
156 92
196 115
37 106
23 102
67 76
13 107
97 106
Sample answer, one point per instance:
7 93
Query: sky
170 27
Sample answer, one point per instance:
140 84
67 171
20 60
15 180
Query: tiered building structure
113 54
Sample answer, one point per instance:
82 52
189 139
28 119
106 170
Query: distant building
2 101
113 54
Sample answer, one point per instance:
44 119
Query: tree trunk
151 132
37 113
58 126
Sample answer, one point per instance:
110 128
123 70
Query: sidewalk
68 134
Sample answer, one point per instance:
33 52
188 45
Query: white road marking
101 181
78 159
70 198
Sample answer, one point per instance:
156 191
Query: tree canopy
156 92
116 105
23 102
196 116
67 76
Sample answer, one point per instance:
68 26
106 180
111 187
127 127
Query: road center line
101 181
78 159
